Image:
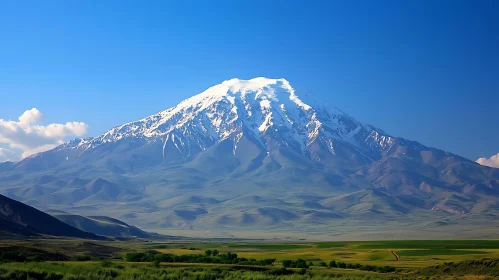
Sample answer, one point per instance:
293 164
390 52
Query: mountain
254 155
20 219
100 225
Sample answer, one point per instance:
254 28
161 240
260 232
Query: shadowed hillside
19 218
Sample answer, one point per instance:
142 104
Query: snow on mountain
236 148
257 109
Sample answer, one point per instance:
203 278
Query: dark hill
102 225
19 218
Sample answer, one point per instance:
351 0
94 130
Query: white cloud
30 116
30 137
8 155
493 161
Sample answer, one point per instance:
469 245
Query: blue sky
424 70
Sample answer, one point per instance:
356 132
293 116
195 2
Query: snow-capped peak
259 108
261 88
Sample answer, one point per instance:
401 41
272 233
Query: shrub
265 262
12 257
138 257
301 264
82 258
280 271
385 269
106 263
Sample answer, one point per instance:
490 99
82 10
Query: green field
430 244
117 271
71 259
413 254
438 252
271 246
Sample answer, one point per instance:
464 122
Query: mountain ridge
253 99
102 225
242 139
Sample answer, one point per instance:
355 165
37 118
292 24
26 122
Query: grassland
416 257
119 271
413 254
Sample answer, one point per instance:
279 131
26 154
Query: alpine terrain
254 155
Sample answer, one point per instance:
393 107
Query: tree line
208 257
365 267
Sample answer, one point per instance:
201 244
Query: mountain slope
18 218
262 113
101 225
253 154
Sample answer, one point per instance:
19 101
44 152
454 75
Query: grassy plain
414 256
126 271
